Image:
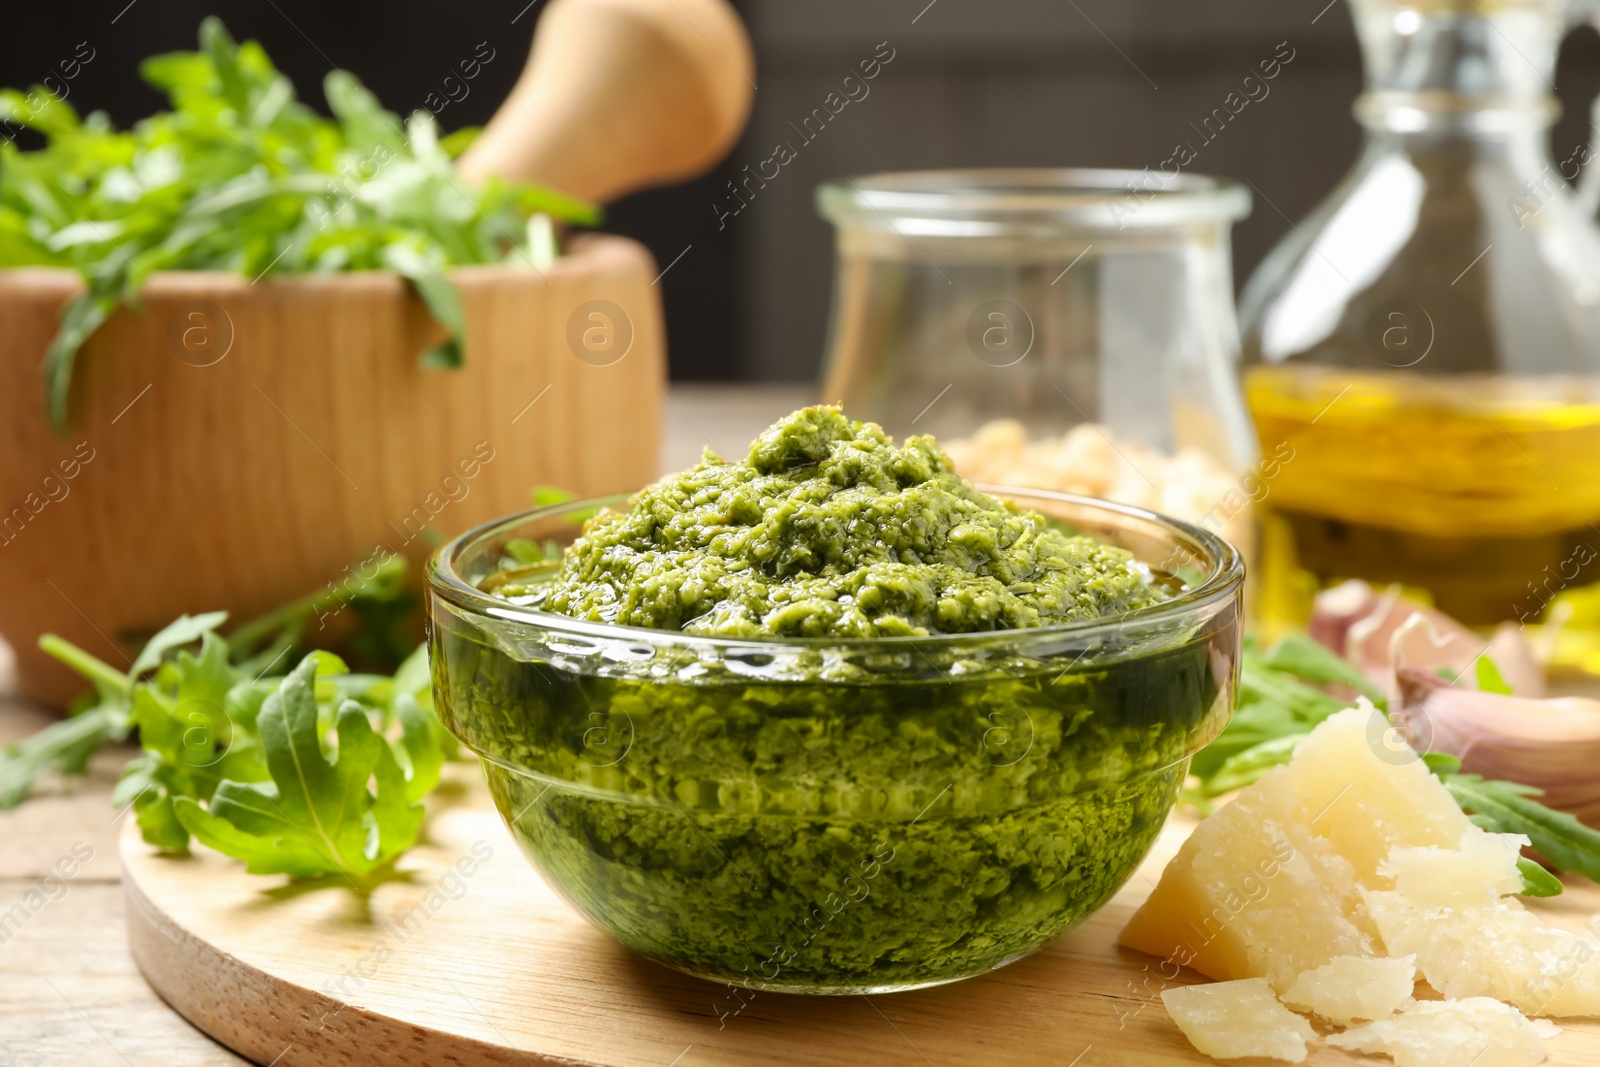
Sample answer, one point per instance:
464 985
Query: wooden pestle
619 95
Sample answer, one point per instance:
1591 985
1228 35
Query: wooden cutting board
468 958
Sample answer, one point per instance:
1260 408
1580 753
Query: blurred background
1112 83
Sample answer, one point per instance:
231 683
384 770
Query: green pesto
831 818
827 529
910 823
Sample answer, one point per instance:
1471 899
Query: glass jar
1427 342
1065 329
835 816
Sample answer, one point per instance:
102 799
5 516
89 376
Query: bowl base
842 990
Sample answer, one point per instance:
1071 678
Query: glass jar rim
1075 198
1225 579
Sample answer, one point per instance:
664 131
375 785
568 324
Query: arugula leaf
524 551
110 684
544 496
190 742
1309 706
1255 722
456 144
1509 808
1490 680
421 746
183 630
196 714
316 815
1276 707
240 176
424 269
1305 659
1441 764
1248 766
412 677
261 643
82 316
541 245
365 123
67 744
1536 881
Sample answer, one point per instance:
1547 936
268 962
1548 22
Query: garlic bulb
1370 629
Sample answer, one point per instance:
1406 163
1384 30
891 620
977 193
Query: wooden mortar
235 445
313 441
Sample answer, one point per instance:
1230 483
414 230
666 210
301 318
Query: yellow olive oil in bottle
1482 497
1427 341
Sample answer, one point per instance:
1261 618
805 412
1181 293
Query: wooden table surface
69 991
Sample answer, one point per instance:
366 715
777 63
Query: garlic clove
1335 610
1519 664
1364 625
1552 744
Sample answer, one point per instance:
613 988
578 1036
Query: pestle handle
620 95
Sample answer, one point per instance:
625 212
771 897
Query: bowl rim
1225 581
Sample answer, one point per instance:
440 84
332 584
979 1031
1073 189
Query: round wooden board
469 959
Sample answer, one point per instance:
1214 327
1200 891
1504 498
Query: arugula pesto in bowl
832 719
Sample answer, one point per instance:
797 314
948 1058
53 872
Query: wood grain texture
483 964
313 441
74 996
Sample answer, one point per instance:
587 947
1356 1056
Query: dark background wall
972 83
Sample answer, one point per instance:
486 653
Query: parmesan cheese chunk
1479 1031
1253 893
1270 886
1479 870
1334 880
1230 1020
1452 909
1348 988
1498 950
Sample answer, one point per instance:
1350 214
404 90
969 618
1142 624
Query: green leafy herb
189 704
316 815
271 769
1303 658
1490 680
1509 808
239 176
67 746
1279 703
192 736
546 496
1536 881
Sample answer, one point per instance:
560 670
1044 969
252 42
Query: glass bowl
836 816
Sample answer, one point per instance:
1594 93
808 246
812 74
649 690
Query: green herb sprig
295 810
239 176
266 764
310 771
